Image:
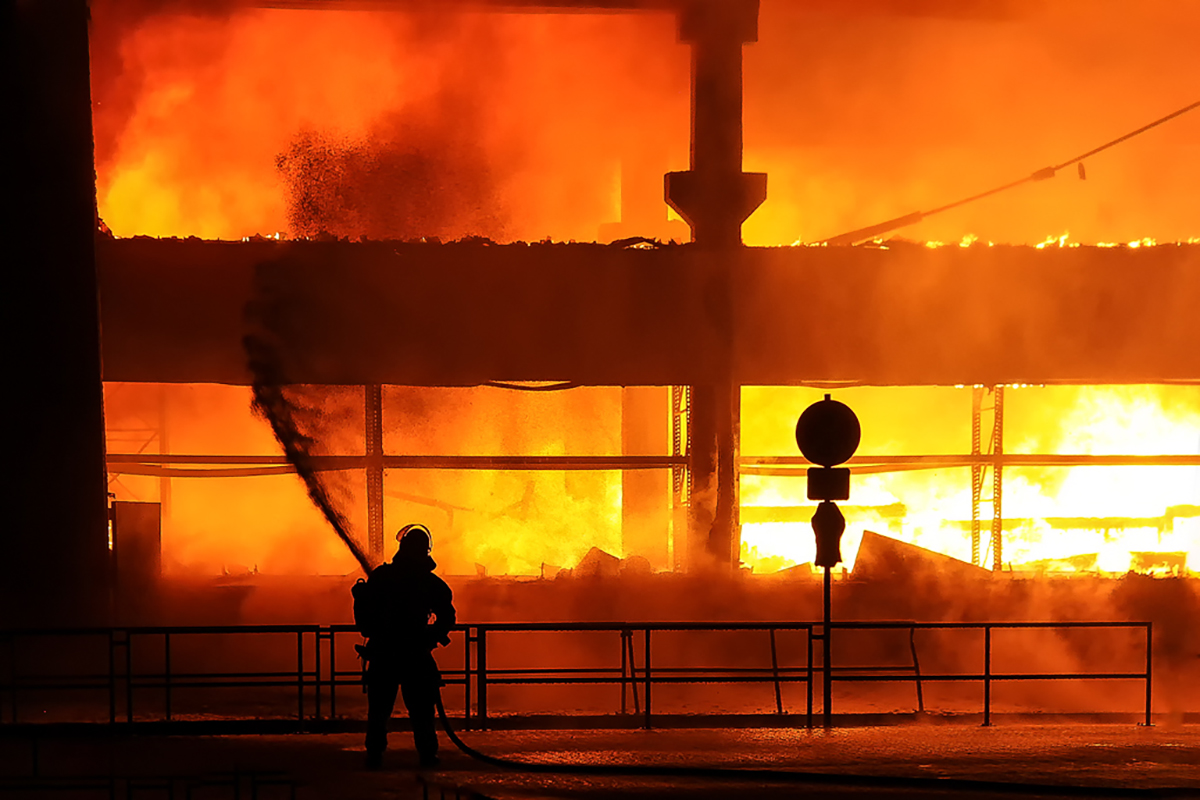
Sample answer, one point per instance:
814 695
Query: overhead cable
527 387
872 231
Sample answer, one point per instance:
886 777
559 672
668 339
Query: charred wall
459 314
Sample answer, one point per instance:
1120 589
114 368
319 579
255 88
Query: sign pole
827 705
827 434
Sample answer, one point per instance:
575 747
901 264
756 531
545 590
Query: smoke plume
405 180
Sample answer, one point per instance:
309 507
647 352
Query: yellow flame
1050 240
1106 519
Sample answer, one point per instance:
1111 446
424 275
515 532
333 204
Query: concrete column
714 197
56 535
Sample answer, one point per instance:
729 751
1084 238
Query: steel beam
373 436
997 477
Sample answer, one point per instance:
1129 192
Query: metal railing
125 680
629 675
988 677
232 785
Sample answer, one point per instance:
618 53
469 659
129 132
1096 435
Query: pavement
912 760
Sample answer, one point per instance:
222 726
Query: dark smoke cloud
405 181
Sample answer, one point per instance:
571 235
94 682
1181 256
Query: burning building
394 198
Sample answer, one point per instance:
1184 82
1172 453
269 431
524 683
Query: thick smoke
859 112
403 181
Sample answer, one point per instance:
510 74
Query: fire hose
840 779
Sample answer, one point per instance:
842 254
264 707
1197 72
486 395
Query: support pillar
976 473
714 197
56 536
703 541
725 541
713 512
997 479
979 475
681 477
373 407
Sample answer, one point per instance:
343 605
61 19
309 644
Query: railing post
1149 670
317 674
912 646
167 671
128 676
624 672
112 678
332 673
987 675
646 665
300 677
481 669
775 672
628 643
467 639
809 712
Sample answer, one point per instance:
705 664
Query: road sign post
827 434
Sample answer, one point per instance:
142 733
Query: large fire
1057 519
198 110
857 114
218 124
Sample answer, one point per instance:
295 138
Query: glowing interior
1058 519
536 124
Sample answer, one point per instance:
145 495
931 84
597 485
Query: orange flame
1060 518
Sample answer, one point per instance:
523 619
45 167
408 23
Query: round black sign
828 432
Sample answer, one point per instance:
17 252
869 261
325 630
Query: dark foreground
1107 760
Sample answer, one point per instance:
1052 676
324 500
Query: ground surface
1105 757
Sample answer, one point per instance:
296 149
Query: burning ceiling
207 114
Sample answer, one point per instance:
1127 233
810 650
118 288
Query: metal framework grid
981 459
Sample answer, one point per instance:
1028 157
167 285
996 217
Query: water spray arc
272 404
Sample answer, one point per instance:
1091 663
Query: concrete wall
174 311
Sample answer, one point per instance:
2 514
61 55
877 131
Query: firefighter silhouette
405 611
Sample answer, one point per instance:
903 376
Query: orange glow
1054 514
521 126
507 523
497 107
514 523
193 111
